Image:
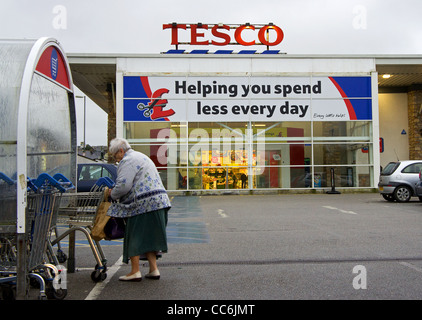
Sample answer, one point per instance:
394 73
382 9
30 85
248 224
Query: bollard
333 184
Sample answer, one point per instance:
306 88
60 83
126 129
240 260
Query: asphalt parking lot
272 247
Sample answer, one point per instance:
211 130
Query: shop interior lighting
386 76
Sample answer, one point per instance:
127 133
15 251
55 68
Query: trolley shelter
37 121
256 121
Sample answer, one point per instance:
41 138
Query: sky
136 26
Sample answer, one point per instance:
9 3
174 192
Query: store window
342 130
220 153
341 154
274 132
241 155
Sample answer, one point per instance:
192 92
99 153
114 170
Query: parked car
419 186
399 180
89 173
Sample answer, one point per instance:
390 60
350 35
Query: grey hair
118 143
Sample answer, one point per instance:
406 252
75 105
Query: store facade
252 122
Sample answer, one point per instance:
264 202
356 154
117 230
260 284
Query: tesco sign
221 36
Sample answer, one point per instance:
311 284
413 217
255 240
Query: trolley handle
6 179
44 180
105 182
30 185
59 181
65 182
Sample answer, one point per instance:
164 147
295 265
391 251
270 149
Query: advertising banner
207 98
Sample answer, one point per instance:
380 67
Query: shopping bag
101 219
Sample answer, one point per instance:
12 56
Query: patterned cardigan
138 188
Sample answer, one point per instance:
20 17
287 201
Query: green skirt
145 233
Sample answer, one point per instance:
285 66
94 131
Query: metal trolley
78 211
43 200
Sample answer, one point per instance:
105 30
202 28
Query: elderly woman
143 200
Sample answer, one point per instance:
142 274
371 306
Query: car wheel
402 194
387 197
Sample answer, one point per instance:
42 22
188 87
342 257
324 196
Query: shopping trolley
43 200
78 211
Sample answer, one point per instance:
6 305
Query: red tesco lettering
219 31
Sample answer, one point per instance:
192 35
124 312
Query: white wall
393 120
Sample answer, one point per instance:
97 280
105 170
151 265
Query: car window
85 174
93 173
390 168
107 173
413 168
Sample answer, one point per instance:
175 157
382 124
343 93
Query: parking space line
340 210
221 213
411 266
96 291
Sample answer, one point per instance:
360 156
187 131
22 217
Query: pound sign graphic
154 109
